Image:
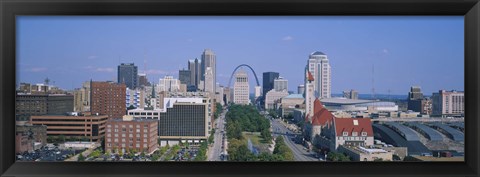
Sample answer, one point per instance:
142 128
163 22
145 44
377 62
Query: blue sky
426 51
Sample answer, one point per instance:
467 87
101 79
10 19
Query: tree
81 158
142 154
337 157
62 138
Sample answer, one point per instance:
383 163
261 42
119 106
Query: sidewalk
84 153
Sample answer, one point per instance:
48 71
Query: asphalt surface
298 150
216 149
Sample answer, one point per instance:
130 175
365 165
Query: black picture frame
470 9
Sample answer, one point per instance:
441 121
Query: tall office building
195 69
128 74
168 83
280 84
301 89
185 76
142 80
241 90
108 98
415 97
258 91
81 97
352 94
448 103
209 59
209 85
268 81
319 67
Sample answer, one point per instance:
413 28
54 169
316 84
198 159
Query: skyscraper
142 80
280 84
209 85
241 90
185 76
209 60
168 83
268 81
301 89
128 74
319 67
195 69
309 96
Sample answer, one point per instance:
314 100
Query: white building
309 96
168 83
209 60
301 89
209 85
135 98
319 67
448 103
241 89
280 84
258 91
272 98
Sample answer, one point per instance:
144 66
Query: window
116 140
364 133
116 130
109 145
137 145
345 133
354 134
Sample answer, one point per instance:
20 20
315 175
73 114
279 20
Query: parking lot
47 154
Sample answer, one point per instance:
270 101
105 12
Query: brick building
128 133
108 98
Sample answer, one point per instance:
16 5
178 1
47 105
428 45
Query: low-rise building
127 134
359 153
290 102
74 126
272 98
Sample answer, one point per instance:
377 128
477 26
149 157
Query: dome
317 53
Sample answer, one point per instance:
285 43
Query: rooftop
317 53
294 96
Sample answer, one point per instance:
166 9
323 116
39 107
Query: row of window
354 134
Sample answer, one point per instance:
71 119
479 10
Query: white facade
145 114
168 83
280 84
301 89
209 60
448 103
272 98
258 91
309 99
209 85
319 66
241 89
135 97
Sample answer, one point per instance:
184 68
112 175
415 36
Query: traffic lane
298 149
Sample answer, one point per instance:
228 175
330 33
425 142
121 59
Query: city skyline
405 51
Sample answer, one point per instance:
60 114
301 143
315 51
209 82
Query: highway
216 149
298 150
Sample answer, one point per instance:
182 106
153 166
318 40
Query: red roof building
350 126
321 114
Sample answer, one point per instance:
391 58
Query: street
299 152
219 143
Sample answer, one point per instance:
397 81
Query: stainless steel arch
255 74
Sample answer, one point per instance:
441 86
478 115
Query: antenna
373 81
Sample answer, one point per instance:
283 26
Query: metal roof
294 96
457 125
344 101
403 130
428 132
391 137
452 133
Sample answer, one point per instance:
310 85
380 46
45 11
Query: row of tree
238 151
218 110
246 118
